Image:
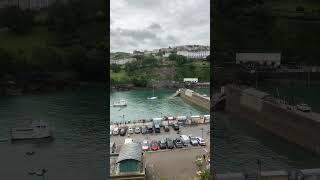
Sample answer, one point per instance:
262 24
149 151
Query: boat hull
23 134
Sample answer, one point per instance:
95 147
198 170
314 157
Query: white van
185 139
128 140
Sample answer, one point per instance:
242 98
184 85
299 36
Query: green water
139 107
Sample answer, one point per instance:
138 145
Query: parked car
304 107
175 126
116 131
144 130
170 144
163 144
123 131
150 129
166 128
130 130
145 145
178 143
157 128
137 130
201 141
185 140
154 146
193 141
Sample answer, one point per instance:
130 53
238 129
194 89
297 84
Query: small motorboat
30 153
120 103
31 172
151 98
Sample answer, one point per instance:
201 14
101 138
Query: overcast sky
150 24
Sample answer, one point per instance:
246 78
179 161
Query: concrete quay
306 174
275 116
195 98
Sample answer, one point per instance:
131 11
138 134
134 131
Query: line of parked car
168 143
122 131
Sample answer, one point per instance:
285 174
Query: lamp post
259 166
202 132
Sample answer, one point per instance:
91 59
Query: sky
151 24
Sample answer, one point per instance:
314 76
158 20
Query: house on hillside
265 59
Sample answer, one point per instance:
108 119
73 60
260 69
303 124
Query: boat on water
153 97
36 130
120 103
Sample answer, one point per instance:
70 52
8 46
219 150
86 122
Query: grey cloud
149 24
155 26
138 34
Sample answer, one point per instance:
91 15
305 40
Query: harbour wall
306 174
195 98
296 127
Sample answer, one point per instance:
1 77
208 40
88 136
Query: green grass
119 76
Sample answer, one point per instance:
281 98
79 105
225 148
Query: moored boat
120 103
36 130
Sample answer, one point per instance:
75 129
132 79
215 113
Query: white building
270 59
122 61
201 54
190 80
167 54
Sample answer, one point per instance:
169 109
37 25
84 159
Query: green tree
115 68
17 20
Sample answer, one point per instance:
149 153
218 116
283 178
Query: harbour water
139 107
239 144
79 148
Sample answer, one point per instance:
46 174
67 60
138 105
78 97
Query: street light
202 132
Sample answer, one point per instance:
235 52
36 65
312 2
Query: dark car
144 130
170 144
178 143
154 145
150 129
157 128
123 131
163 144
175 127
166 128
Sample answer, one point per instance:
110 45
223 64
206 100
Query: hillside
287 26
161 70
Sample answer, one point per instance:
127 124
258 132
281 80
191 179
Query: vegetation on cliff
156 68
287 26
66 37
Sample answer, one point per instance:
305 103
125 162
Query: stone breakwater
195 98
275 116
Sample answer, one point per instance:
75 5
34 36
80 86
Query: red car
154 146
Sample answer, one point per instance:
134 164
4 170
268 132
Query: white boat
153 97
121 102
36 130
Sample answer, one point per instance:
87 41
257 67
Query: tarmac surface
176 164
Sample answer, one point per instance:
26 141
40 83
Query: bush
300 9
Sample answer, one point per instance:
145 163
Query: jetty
189 95
274 115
